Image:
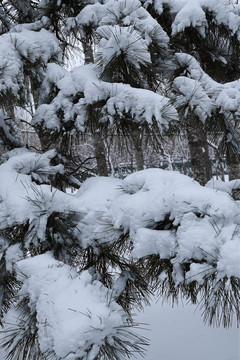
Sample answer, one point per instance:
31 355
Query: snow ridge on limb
191 96
24 49
85 313
37 218
116 40
224 96
186 236
193 13
80 88
214 103
153 228
122 102
124 13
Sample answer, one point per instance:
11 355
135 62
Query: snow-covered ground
178 333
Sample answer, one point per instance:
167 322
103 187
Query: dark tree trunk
233 169
233 161
136 136
88 53
197 141
98 142
47 139
99 150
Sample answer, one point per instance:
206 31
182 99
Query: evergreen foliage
74 268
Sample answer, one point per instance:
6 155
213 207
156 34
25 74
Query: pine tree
209 34
63 22
74 268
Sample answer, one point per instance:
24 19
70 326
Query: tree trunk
136 136
88 53
99 150
48 140
98 142
233 162
197 141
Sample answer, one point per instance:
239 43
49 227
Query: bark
99 150
136 136
98 142
47 139
88 53
198 146
233 169
232 142
233 161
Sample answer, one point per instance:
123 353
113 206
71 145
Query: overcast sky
179 334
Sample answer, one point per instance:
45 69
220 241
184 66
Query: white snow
199 92
22 199
16 47
192 13
204 220
192 96
225 186
122 101
164 213
202 224
148 242
127 12
69 306
117 40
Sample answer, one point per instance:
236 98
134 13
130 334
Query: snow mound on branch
193 13
35 45
21 199
192 95
95 198
11 67
225 186
163 212
168 214
194 222
117 41
121 100
205 96
202 92
69 306
131 13
126 12
18 46
69 84
97 193
171 215
154 242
